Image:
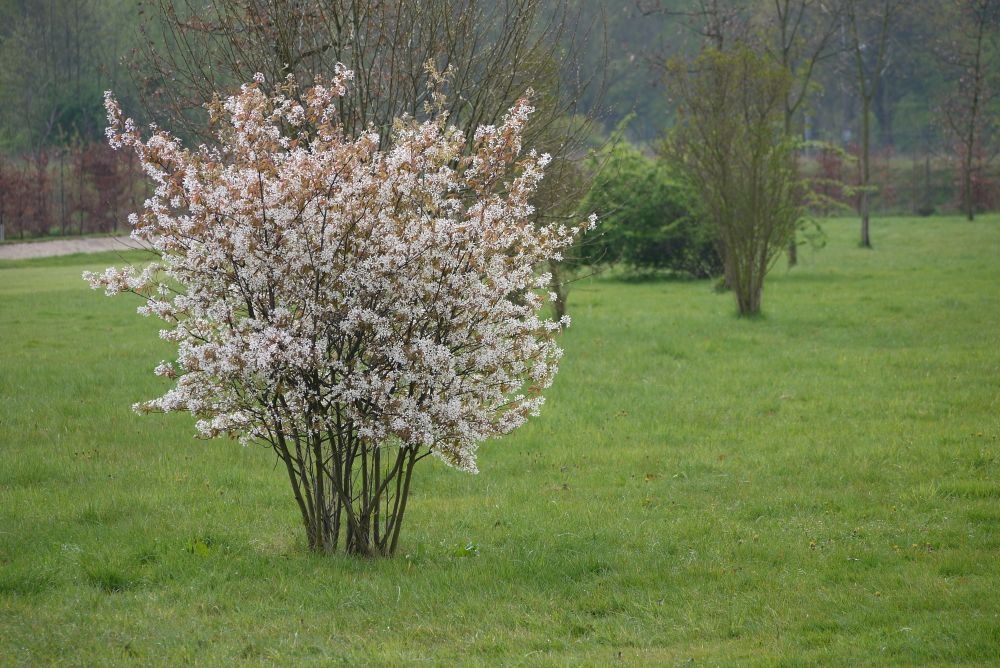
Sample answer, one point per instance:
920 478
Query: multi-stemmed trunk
745 275
351 493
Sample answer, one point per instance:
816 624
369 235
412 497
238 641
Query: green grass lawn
817 486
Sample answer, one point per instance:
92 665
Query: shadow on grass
648 277
109 578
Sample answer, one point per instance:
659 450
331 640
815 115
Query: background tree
492 51
730 145
971 53
718 23
56 59
799 36
869 26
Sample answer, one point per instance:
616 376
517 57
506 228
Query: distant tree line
57 175
924 72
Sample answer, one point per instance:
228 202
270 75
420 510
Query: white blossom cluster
315 284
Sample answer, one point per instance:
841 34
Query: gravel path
23 251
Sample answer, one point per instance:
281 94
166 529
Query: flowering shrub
355 309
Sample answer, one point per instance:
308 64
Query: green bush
647 220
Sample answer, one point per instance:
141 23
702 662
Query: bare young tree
869 24
971 55
798 35
719 23
730 145
490 51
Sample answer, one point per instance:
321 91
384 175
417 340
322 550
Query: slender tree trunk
974 111
869 85
62 191
969 141
79 191
403 495
793 250
967 195
928 198
3 202
793 242
865 204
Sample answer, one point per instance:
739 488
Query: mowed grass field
817 486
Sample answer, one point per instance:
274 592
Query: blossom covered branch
337 299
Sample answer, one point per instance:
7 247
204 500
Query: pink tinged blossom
323 281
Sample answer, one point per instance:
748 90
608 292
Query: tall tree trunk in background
966 110
864 206
3 200
804 30
869 22
793 242
62 190
969 141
